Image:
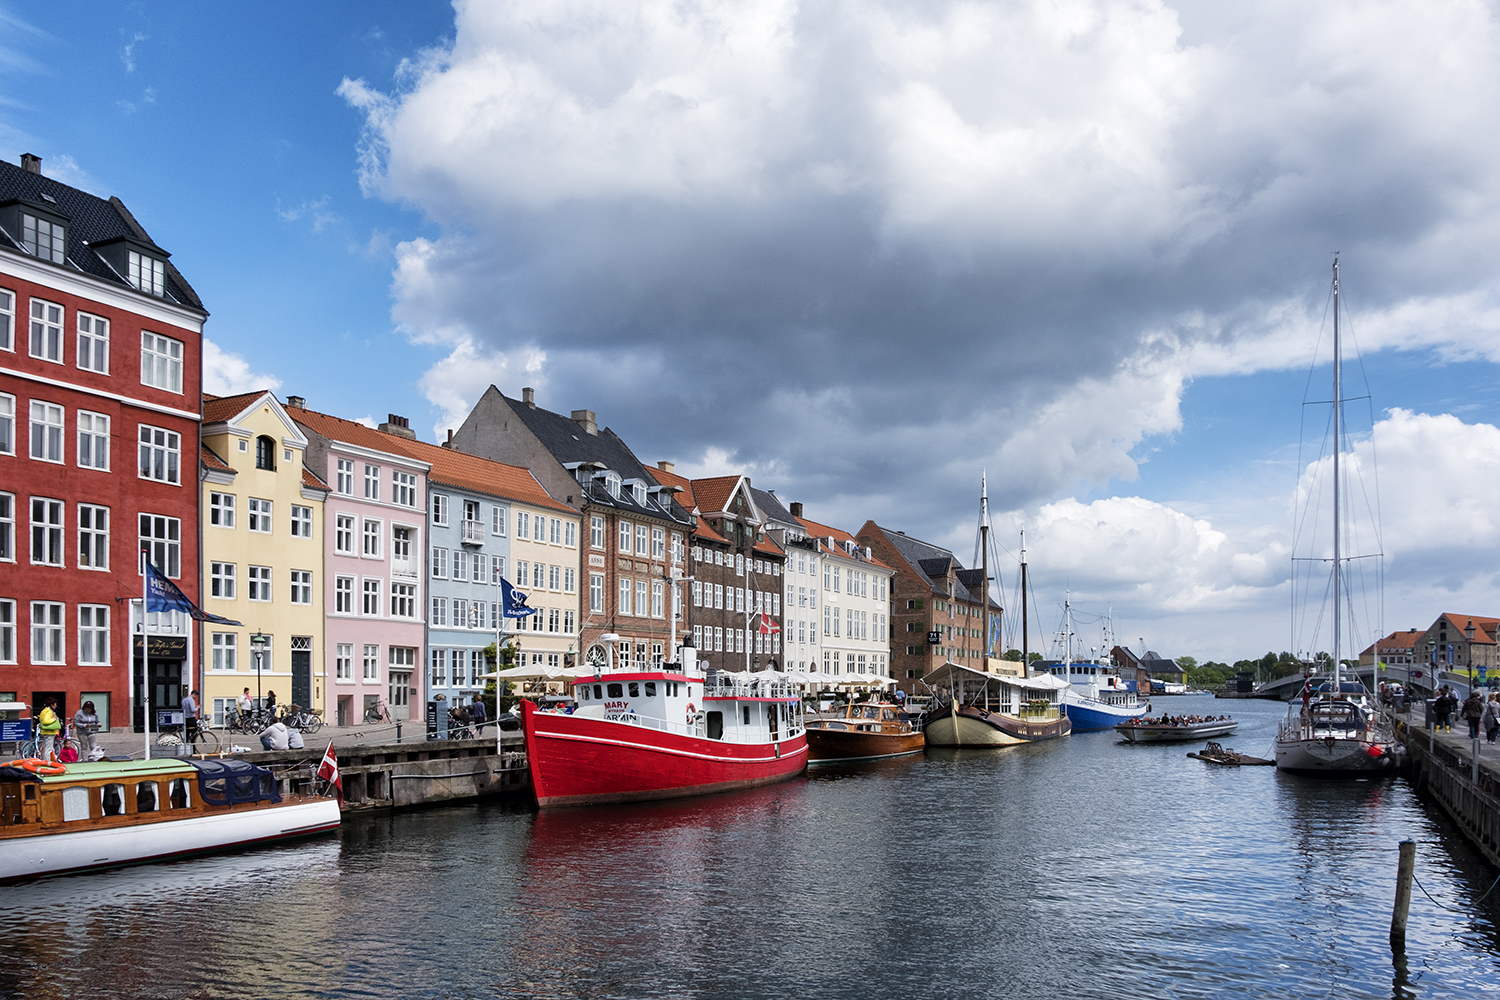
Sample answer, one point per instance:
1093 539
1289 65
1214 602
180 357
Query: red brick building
100 371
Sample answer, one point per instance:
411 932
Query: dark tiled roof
930 561
91 219
771 507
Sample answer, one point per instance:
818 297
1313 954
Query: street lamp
258 644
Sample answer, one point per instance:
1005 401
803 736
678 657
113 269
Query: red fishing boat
664 733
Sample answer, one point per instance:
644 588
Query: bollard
398 730
1404 867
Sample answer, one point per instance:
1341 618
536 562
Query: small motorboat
1174 730
1216 754
862 731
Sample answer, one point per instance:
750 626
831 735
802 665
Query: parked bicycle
302 720
202 739
378 712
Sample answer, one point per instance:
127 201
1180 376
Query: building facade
801 583
374 536
855 622
263 525
633 553
100 372
1446 648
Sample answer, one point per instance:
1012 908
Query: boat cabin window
75 803
615 691
178 795
598 691
746 710
145 797
635 690
716 725
112 797
650 689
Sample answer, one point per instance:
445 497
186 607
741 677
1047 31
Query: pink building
372 567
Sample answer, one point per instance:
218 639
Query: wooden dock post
1404 867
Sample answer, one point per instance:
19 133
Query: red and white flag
768 625
329 771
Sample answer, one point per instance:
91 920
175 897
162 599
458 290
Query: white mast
1338 407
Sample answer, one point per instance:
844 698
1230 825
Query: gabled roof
229 409
91 220
349 432
713 495
771 508
930 562
1484 628
313 481
820 533
211 460
463 471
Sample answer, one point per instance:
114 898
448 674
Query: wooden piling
1404 868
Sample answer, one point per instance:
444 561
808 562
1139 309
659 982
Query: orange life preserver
38 766
691 711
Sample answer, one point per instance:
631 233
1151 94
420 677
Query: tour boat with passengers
664 732
1178 729
862 731
57 818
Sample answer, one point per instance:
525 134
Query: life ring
38 766
691 711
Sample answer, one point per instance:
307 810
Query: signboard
166 647
17 730
933 638
168 717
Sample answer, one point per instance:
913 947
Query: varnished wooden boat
111 813
863 731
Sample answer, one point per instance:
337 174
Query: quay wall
1441 768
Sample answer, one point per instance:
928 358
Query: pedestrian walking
48 728
1472 712
1491 717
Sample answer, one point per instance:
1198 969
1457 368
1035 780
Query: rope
1453 909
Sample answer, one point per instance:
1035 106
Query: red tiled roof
211 460
347 431
470 472
312 480
1484 628
713 494
705 531
769 547
821 533
217 409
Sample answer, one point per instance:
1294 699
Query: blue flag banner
513 601
994 635
163 595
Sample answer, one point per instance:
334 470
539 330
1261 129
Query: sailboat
1334 728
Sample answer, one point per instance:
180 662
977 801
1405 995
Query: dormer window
43 238
146 273
265 453
638 489
612 484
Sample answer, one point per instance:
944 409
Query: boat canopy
227 782
953 671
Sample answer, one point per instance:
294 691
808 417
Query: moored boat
862 731
84 816
1216 754
666 733
972 708
1169 730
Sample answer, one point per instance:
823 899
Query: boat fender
691 711
38 766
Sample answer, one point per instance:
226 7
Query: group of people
474 714
1178 720
1479 712
50 730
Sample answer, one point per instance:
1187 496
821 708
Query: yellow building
261 524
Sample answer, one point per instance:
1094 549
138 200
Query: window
93 536
460 565
343 662
146 273
46 331
404 489
461 613
439 563
343 534
225 649
719 597
440 667
596 532
7 424
301 586
372 662
626 533
439 611
371 594
554 577
403 600
221 580
538 571
7 527
372 482
539 528
658 543
265 453
260 515
570 579
161 454
718 640
46 532
46 431
372 538
624 596
554 622
642 540
401 547
343 595
161 362
259 578
301 521
47 632
440 509
7 631
499 516
221 510
656 599
677 549
497 569
7 320
345 479
93 343
640 598
568 622
93 634
570 535
596 592
554 530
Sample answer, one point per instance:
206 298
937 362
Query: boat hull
583 760
1090 716
1175 734
974 727
1335 756
57 853
825 745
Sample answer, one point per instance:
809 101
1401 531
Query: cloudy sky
862 252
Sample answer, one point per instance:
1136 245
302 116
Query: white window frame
439 612
403 488
301 521
372 531
370 596
596 532
258 515
7 630
302 586
372 482
160 455
161 362
7 527
93 440
403 600
225 647
49 640
46 341
343 534
343 595
92 353
343 662
7 424
7 320
146 273
47 532
499 518
596 592
371 662
440 509
439 563
93 635
345 477
221 580
258 583
93 537
47 424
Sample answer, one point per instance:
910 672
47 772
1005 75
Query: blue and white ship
1096 696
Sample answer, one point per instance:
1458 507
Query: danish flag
768 626
329 771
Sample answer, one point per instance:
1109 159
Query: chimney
796 508
528 396
666 466
449 443
397 427
31 163
585 419
297 402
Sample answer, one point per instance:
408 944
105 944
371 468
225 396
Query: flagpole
145 663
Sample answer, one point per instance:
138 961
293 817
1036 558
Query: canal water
1077 868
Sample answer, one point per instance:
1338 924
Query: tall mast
984 558
1025 641
1338 407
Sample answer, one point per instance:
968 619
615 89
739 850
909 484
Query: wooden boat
862 731
972 708
1216 754
105 814
661 734
1157 731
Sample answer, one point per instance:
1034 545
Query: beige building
262 555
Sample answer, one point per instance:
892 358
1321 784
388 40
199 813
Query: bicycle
378 712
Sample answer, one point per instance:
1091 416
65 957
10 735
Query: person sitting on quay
274 737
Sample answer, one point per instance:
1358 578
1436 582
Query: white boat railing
733 687
698 728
